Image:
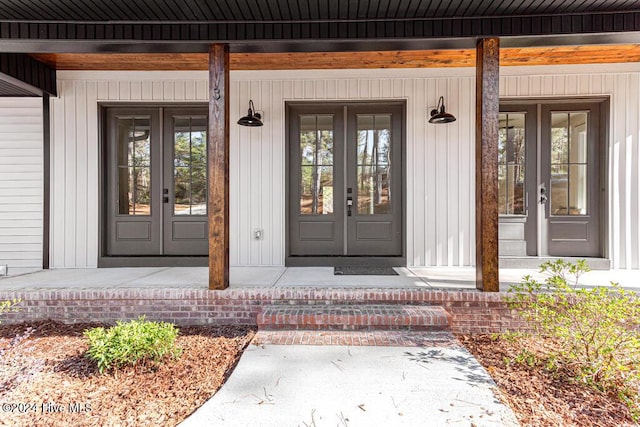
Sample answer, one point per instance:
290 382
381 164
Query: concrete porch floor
452 278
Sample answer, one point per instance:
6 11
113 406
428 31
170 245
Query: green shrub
595 331
131 343
9 305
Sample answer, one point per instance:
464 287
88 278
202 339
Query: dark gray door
134 190
345 180
570 184
185 182
374 181
156 182
517 180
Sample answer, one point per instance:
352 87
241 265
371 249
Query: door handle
165 195
543 195
349 205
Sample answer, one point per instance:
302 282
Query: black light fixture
438 115
252 119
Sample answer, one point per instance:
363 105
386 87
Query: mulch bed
539 397
45 379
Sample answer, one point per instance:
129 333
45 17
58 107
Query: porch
181 295
196 278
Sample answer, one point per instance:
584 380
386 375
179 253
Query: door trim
342 260
104 260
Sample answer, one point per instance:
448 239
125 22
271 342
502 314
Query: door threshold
535 261
345 261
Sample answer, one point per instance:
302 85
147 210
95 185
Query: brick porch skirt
471 311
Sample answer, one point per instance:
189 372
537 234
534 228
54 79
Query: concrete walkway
438 383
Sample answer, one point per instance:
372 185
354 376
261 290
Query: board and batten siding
21 184
439 165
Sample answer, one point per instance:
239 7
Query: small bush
9 306
131 343
596 331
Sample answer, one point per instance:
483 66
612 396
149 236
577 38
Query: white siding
21 184
440 163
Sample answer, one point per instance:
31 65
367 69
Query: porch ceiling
297 10
178 26
598 54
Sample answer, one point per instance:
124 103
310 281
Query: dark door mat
364 271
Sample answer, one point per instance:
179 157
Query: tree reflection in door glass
374 164
134 166
511 164
569 163
316 164
190 165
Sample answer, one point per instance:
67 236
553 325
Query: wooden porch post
487 108
218 166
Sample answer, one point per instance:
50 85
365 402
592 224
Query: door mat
366 270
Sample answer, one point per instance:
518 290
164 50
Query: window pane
141 178
182 191
199 191
559 190
577 189
578 138
190 165
502 139
511 161
134 166
569 163
374 191
316 190
502 189
559 138
373 164
316 164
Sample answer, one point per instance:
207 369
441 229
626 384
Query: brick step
354 317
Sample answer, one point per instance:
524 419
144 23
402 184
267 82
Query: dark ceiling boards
292 10
308 25
252 26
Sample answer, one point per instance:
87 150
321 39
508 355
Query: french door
345 180
549 181
156 181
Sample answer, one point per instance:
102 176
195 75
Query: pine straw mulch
539 397
44 362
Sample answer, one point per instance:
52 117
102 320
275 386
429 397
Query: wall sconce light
438 115
252 119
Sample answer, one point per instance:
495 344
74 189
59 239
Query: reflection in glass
316 164
511 164
190 165
569 163
373 164
134 166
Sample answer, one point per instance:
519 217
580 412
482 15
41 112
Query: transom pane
316 164
190 165
569 163
134 166
511 164
374 164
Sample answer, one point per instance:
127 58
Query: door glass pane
190 165
373 164
316 164
511 164
569 163
559 187
134 166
